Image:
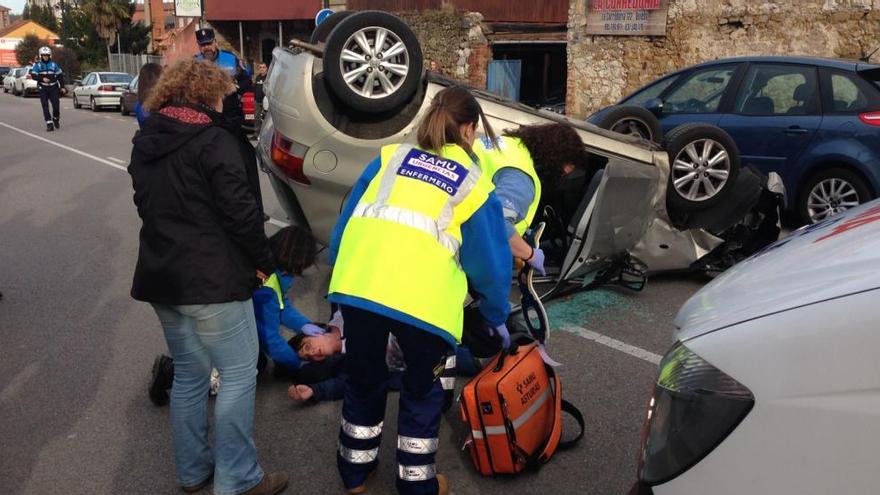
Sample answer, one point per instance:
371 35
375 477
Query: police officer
227 61
50 81
421 222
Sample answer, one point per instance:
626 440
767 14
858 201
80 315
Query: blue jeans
223 336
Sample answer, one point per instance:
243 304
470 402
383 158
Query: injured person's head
318 347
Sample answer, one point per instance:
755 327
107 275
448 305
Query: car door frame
727 99
789 176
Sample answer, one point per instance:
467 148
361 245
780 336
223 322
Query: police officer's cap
204 36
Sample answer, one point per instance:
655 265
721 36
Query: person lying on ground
329 349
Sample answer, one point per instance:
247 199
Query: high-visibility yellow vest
274 283
401 246
510 152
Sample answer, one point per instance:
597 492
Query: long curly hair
552 146
190 82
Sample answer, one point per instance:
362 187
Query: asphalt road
77 350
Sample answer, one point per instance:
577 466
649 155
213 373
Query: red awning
261 10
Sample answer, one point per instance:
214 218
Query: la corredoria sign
627 17
187 8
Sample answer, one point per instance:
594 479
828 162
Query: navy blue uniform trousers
366 387
50 94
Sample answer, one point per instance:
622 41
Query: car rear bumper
107 99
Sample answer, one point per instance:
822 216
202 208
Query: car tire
368 92
320 34
76 104
632 120
687 191
833 190
124 111
93 105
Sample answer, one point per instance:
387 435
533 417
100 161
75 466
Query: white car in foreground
773 384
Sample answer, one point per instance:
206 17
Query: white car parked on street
25 84
9 79
773 384
101 89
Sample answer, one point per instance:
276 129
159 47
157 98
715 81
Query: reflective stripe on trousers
361 432
417 473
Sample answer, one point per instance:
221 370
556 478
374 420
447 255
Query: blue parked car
815 122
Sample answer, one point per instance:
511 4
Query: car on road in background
814 121
4 69
25 84
100 89
9 79
129 97
773 381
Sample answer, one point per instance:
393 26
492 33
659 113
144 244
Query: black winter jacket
202 238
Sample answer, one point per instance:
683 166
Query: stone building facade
603 69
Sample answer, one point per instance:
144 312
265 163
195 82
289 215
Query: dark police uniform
50 80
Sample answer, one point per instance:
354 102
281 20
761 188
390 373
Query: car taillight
695 406
288 156
870 118
105 88
29 76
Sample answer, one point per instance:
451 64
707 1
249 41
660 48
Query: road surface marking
65 147
617 345
117 160
278 223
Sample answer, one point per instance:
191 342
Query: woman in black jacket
202 252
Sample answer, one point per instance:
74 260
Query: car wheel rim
700 170
633 127
830 197
374 62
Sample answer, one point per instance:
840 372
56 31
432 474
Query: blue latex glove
502 332
537 262
312 330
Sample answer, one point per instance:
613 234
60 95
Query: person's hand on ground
300 393
312 330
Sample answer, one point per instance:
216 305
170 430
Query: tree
67 59
134 37
43 16
27 48
107 16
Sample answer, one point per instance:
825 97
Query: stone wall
603 69
455 41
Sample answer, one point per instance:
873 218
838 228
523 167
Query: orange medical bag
514 412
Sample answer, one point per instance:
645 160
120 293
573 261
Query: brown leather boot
270 485
442 485
198 487
358 490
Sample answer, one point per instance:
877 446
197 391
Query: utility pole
148 17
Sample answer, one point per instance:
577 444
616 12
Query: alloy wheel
374 62
700 170
830 197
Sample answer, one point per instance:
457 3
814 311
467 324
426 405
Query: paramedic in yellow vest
518 162
421 222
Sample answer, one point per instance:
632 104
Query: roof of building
2 7
26 26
